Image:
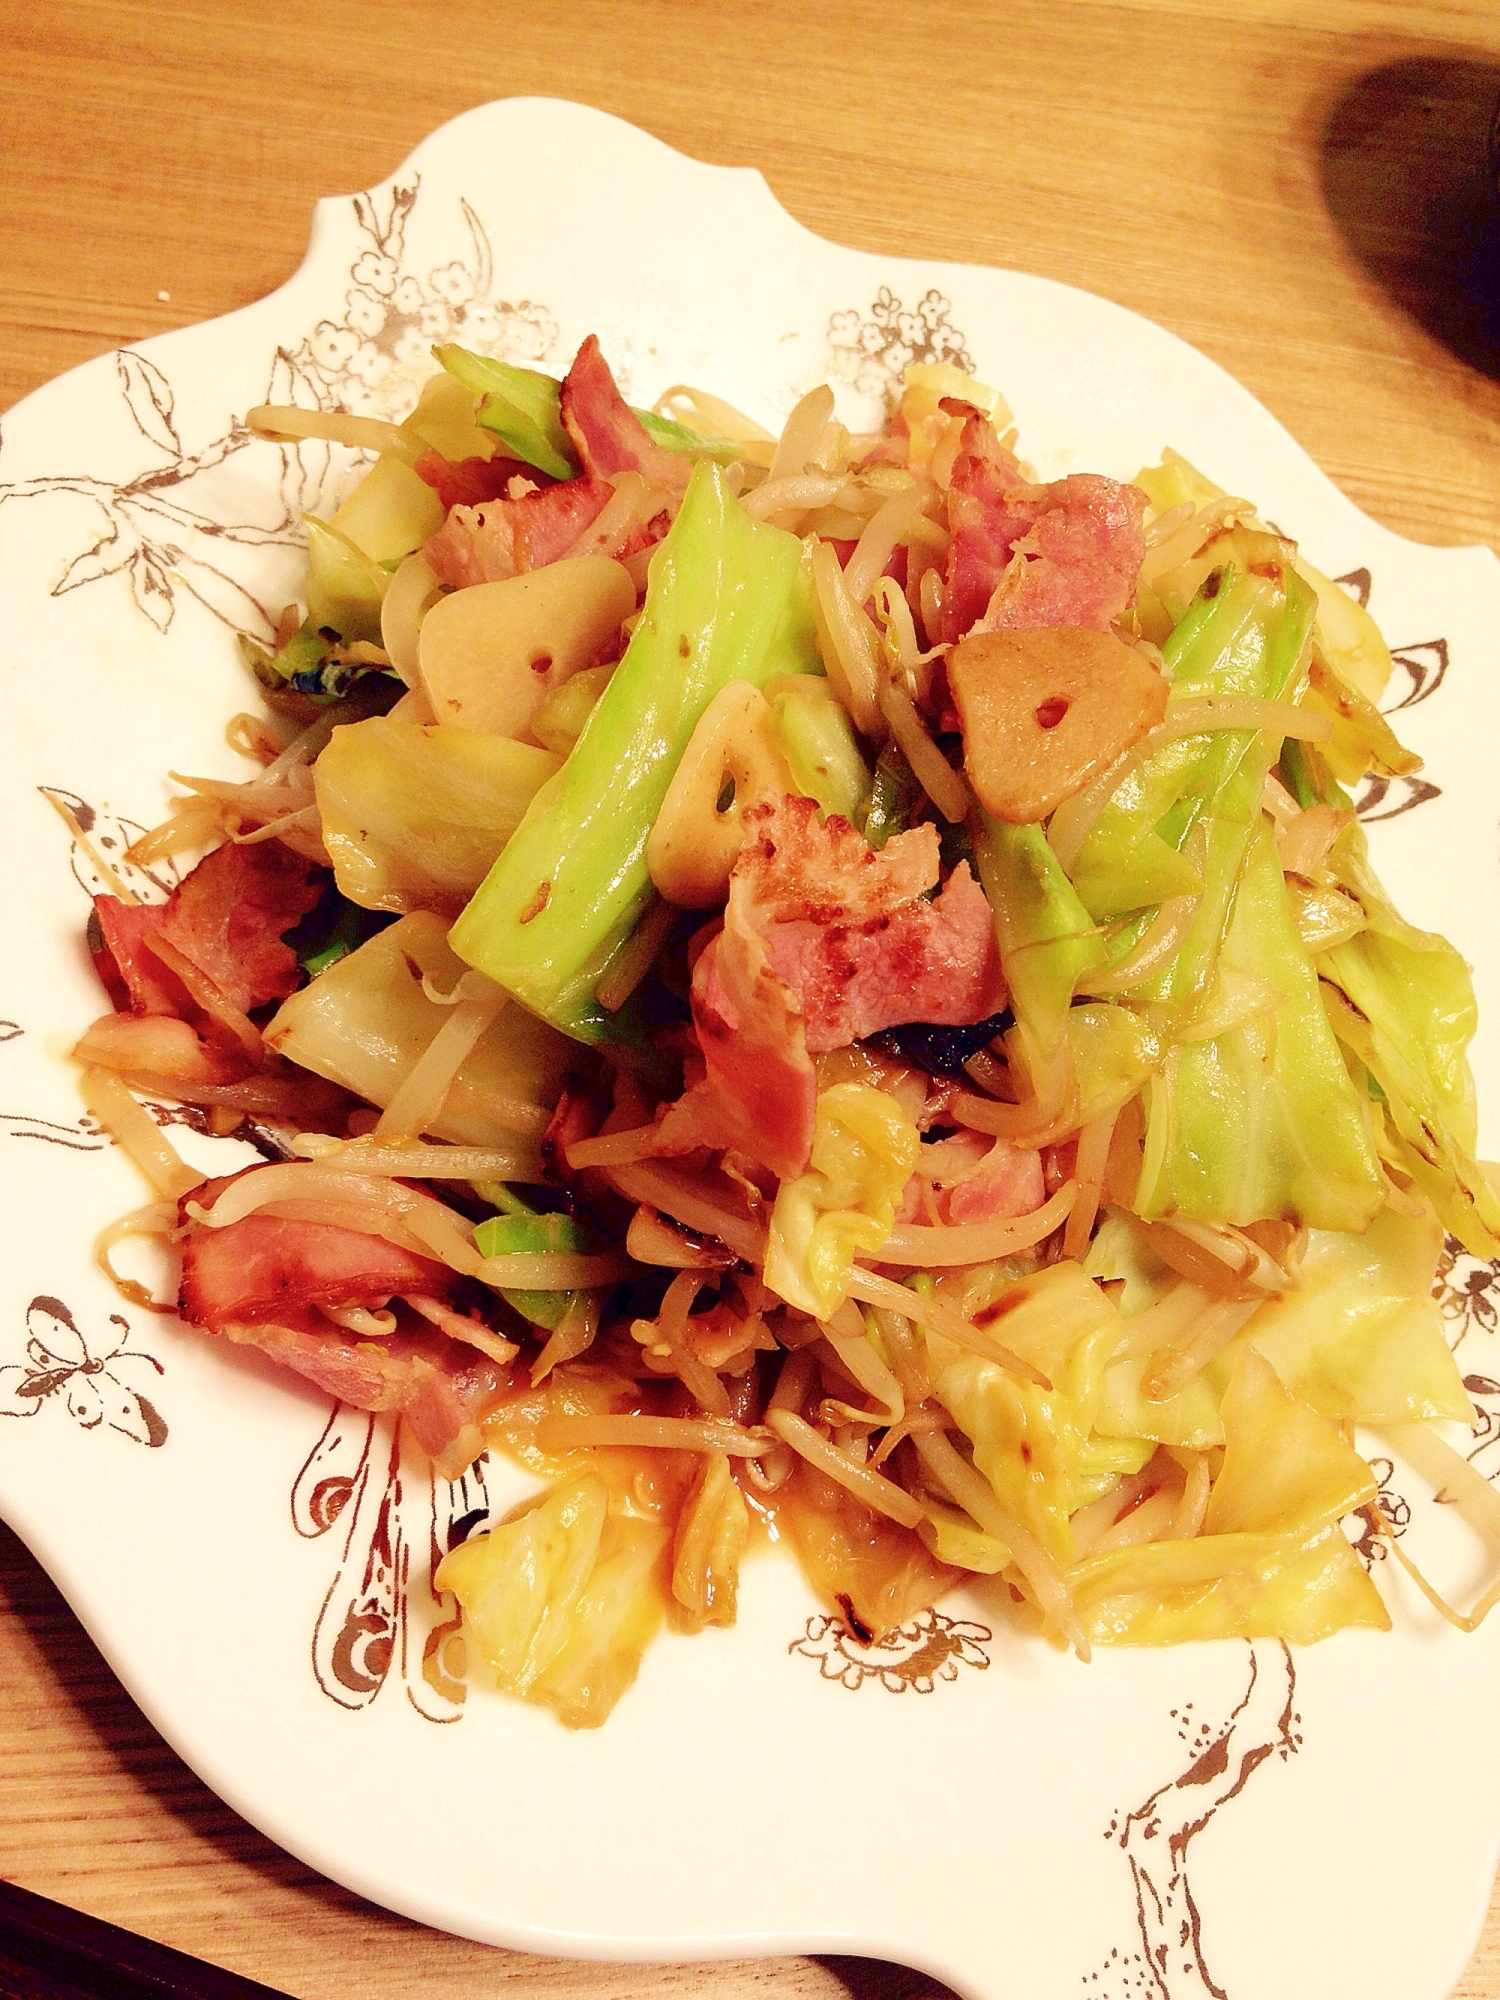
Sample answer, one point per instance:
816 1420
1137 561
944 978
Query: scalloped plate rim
54 1556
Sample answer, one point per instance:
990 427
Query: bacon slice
990 507
606 433
135 979
227 916
975 1179
262 1281
506 538
760 1091
263 1266
443 1389
1022 556
1079 563
849 932
469 482
498 538
824 942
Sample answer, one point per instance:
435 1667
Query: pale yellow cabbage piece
413 816
1363 1337
1033 1444
1249 1586
1105 1458
444 419
1286 1469
562 1602
1190 1419
925 385
345 588
863 1152
954 1539
885 1572
1114 1051
391 512
712 1531
1348 636
1175 480
558 720
1345 634
1272 1561
1121 1252
366 1020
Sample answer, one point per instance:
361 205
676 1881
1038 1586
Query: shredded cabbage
863 1151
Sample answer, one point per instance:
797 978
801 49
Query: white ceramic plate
1218 1819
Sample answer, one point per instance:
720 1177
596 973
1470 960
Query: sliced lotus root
1045 711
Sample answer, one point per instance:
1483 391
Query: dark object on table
1409 157
48 1952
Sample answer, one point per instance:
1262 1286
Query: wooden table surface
1306 203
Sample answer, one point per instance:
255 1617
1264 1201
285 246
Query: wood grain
1301 193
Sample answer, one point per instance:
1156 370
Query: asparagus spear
727 600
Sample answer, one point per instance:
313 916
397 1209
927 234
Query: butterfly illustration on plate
95 1389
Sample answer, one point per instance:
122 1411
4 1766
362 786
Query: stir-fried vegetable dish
816 987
